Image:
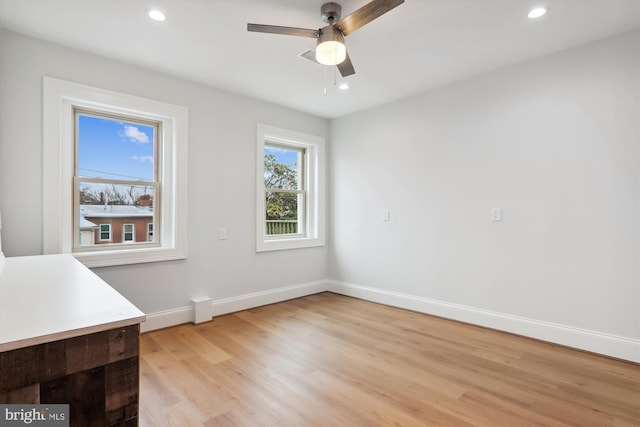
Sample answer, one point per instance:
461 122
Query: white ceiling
417 46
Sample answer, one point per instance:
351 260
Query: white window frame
100 239
124 232
314 179
60 100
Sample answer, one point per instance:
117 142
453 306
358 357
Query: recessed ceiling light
537 12
344 86
156 15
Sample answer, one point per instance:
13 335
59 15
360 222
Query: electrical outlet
222 234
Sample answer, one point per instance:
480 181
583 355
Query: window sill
128 256
284 244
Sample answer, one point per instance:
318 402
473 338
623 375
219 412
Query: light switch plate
496 214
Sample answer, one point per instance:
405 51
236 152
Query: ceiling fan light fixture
331 53
330 49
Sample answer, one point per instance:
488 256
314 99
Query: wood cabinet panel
96 374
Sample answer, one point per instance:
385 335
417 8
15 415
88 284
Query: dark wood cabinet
96 374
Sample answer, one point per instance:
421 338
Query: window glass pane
114 149
113 194
105 231
282 213
128 232
113 155
116 209
282 167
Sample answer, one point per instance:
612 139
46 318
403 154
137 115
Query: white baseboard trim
596 342
244 302
177 316
167 318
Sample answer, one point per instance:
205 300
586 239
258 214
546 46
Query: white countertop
51 297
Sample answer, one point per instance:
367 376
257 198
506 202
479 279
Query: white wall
554 142
222 131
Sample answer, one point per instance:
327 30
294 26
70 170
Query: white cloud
143 159
135 135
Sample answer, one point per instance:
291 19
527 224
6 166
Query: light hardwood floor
329 360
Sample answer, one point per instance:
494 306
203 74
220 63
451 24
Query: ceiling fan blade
346 67
287 31
309 55
366 14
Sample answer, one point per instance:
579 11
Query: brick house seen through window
116 216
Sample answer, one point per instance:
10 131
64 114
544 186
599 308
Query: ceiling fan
330 48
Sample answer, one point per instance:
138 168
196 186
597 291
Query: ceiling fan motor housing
330 12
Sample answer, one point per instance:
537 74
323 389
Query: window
285 191
128 233
105 232
290 189
93 184
115 177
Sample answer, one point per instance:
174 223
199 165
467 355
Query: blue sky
287 157
115 149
